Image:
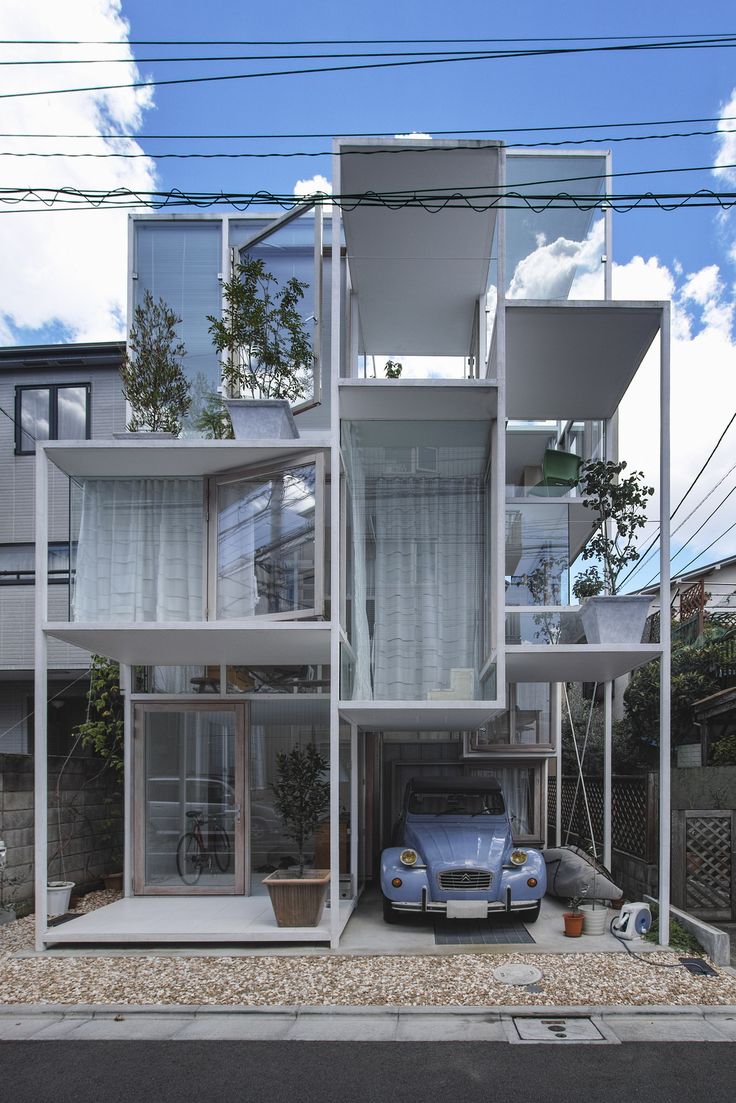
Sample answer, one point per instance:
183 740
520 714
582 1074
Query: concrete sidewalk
513 1024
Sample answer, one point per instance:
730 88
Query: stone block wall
84 810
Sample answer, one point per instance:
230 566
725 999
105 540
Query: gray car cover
573 872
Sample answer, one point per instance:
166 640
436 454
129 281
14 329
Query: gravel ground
461 980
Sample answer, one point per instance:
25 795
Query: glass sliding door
189 799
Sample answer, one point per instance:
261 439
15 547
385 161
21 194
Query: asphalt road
364 1072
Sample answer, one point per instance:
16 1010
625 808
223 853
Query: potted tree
619 506
266 348
302 798
573 919
153 380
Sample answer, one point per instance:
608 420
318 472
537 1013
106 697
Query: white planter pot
595 920
57 897
615 620
262 419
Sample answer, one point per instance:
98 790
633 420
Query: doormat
479 932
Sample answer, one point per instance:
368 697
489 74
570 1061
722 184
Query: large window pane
139 555
35 417
266 543
190 816
71 413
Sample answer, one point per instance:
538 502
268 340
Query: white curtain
139 556
427 585
517 785
360 637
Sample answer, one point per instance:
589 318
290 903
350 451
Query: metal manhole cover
534 1029
517 974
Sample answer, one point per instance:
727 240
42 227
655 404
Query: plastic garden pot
594 918
57 897
573 924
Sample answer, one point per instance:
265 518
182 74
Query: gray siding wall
16 629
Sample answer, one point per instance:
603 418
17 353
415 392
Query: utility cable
342 41
687 44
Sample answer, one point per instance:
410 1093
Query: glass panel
556 253
517 783
276 727
278 679
139 554
190 799
35 421
537 554
176 679
179 262
544 626
71 413
266 543
417 524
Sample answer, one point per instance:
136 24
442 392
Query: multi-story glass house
394 584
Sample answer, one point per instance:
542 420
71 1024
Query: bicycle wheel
220 845
189 858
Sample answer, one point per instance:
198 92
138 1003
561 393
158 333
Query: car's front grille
469 879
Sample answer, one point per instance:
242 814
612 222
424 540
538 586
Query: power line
656 535
385 134
691 538
727 42
704 550
342 41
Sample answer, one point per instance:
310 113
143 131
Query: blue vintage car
456 855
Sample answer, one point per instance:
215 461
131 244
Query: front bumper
439 907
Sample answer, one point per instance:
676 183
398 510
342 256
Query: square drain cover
535 1029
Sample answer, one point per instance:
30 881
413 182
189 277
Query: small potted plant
267 350
619 505
302 798
153 380
594 912
573 919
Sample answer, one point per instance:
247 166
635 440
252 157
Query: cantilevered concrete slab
418 273
418 400
575 662
193 644
410 716
574 359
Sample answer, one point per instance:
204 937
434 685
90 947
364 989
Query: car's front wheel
389 915
533 914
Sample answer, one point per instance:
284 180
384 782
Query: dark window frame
53 389
26 576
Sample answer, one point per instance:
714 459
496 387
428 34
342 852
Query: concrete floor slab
665 1028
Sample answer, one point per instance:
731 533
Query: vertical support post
664 631
498 478
608 235
354 809
126 686
607 773
556 717
335 366
40 754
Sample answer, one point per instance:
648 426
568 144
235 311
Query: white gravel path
336 979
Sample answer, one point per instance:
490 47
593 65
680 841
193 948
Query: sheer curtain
139 555
427 584
517 783
360 638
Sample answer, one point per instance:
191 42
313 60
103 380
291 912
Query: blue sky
63 274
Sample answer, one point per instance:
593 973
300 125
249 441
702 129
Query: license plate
467 909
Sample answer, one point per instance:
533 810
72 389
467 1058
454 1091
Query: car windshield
457 803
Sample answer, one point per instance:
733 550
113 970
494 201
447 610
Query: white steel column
607 772
40 759
664 632
556 717
126 687
608 234
498 477
354 809
335 341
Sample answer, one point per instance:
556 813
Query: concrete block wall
78 815
636 877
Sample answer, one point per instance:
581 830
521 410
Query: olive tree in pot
302 797
619 506
266 348
153 380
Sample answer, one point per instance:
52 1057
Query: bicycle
196 850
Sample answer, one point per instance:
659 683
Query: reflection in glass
190 811
517 784
266 543
537 554
71 413
34 416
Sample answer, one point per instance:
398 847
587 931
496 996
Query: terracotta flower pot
297 901
573 924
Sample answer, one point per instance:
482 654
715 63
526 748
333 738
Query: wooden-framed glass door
190 798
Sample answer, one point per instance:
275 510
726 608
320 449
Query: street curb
491 1013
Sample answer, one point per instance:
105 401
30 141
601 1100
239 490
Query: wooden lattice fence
633 813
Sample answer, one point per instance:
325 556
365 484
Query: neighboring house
707 593
392 585
47 392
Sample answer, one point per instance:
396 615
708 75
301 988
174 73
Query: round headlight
518 857
408 857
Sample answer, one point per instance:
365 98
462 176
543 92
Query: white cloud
415 135
727 141
561 268
315 183
66 270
